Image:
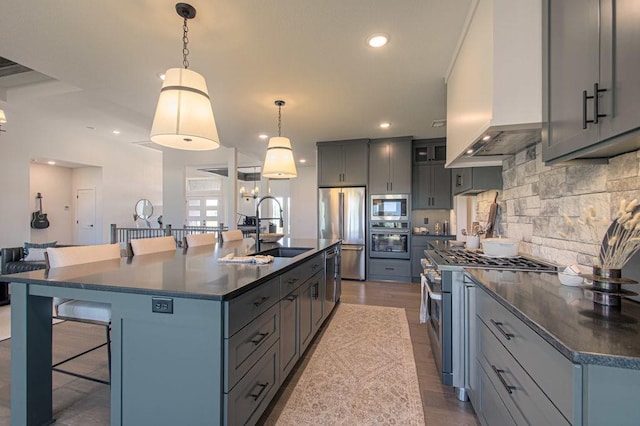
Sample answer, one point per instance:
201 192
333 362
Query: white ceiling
106 55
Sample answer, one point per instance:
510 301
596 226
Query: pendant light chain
185 41
279 119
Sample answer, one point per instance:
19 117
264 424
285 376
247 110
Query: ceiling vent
8 68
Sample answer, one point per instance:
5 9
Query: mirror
144 209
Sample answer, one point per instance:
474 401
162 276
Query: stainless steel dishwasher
333 277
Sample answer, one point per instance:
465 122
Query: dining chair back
196 240
141 246
234 235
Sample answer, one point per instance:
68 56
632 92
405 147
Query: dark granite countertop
566 318
192 273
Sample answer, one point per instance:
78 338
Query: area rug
361 373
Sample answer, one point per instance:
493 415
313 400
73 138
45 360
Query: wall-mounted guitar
38 219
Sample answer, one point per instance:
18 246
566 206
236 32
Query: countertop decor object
621 238
570 280
500 247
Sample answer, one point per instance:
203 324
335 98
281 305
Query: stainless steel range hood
506 141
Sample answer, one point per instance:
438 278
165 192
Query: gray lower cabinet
289 332
390 270
516 366
266 331
591 93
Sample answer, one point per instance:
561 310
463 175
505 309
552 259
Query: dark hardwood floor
80 402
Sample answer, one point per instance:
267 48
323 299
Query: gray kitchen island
233 333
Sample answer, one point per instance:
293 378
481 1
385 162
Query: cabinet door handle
499 325
291 281
292 297
316 290
261 301
585 97
259 338
596 103
262 387
458 180
507 386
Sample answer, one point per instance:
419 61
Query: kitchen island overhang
165 367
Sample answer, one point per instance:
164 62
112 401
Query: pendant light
279 163
184 118
3 120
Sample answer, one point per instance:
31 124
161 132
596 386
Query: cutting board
493 213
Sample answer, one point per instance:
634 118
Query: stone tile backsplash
535 198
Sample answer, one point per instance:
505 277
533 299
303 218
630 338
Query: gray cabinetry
431 187
311 309
591 86
531 378
389 270
390 165
343 163
473 180
420 243
289 345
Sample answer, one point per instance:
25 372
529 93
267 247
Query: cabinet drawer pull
261 301
499 325
389 269
292 281
262 387
507 386
292 297
259 338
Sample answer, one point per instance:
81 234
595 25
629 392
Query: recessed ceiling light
52 163
470 151
161 76
378 40
486 138
116 132
263 136
302 160
385 125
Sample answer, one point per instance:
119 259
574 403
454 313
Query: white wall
129 172
54 184
304 203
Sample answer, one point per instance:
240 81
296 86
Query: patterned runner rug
361 373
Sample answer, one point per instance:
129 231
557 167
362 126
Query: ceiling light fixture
116 132
278 162
3 120
378 40
263 136
184 118
385 125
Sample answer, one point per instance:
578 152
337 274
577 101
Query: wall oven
390 239
390 207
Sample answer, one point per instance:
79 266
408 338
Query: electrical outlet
426 220
162 305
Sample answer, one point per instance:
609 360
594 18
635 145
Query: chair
196 240
81 310
234 235
141 246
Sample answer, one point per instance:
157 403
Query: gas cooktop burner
474 259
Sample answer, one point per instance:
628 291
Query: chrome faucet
258 218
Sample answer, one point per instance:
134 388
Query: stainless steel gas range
449 302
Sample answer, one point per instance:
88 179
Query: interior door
86 217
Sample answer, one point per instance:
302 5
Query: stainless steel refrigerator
342 214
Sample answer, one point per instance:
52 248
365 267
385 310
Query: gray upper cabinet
591 88
473 180
390 165
431 181
342 163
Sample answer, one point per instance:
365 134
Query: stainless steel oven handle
433 294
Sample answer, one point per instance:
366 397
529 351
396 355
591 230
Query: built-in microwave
390 207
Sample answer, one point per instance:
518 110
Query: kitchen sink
285 251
